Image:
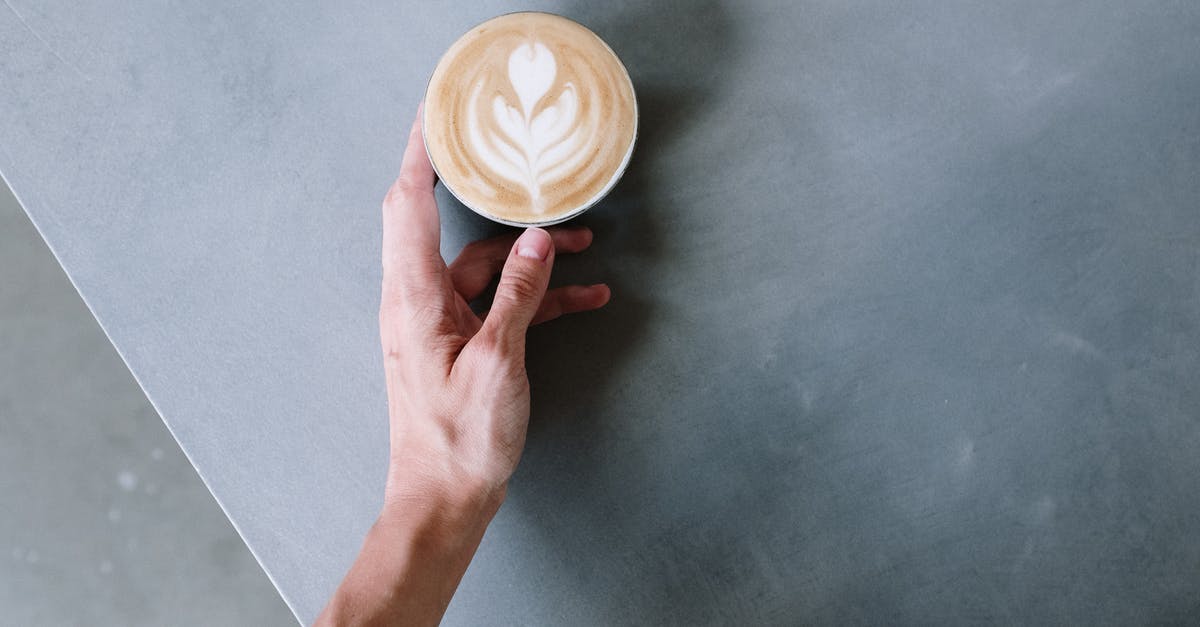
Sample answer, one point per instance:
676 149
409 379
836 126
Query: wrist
438 512
414 555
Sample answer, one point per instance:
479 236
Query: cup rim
613 180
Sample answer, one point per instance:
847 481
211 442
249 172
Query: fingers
480 261
411 231
519 295
571 299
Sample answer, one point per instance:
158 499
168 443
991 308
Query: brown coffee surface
529 117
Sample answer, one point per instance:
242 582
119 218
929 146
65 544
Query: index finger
411 230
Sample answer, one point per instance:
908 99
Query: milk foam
526 144
529 117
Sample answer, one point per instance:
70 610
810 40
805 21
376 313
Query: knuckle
497 355
488 344
521 285
405 185
401 191
500 355
394 197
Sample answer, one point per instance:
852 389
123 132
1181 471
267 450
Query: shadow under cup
525 102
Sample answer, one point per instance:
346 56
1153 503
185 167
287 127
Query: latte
530 118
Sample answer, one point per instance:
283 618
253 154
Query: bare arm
411 561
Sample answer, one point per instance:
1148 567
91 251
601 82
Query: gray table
905 316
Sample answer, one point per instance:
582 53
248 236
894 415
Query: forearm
412 560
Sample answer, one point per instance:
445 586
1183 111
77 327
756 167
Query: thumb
522 285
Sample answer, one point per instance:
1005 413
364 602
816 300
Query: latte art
527 145
529 118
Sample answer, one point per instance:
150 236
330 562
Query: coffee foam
529 117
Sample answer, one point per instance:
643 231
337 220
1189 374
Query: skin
458 396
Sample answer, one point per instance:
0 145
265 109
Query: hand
458 395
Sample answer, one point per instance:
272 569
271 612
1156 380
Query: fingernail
534 244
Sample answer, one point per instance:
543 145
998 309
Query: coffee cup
530 119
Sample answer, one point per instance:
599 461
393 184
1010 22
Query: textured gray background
103 522
904 326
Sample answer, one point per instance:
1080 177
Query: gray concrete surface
103 522
905 324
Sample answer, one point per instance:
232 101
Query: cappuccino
530 119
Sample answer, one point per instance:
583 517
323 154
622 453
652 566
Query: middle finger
480 261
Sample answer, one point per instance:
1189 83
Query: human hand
458 395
